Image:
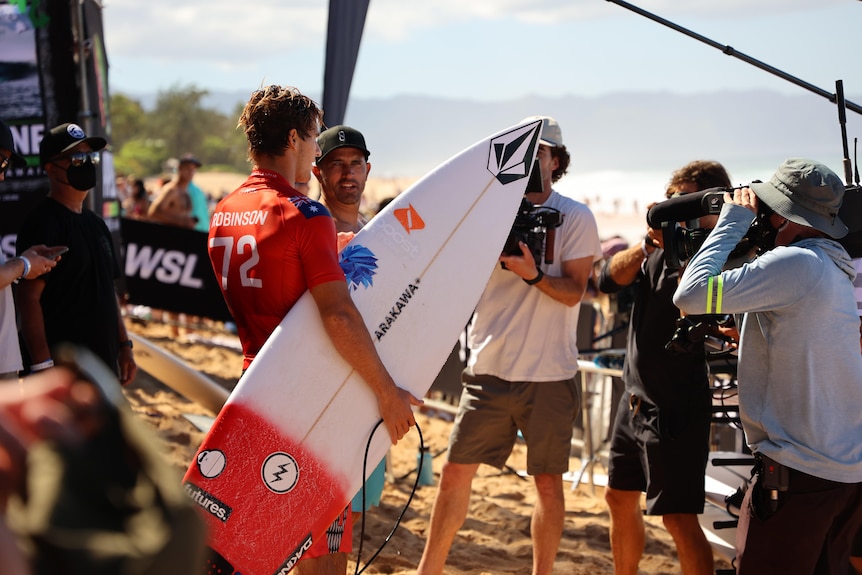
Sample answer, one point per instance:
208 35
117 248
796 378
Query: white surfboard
178 375
285 454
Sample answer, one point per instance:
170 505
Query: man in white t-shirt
521 371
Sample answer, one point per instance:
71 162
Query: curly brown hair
562 154
704 173
271 113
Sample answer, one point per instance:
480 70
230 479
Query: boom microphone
686 207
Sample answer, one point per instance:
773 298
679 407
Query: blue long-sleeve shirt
800 368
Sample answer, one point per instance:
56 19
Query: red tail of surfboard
248 481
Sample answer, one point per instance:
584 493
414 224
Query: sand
496 536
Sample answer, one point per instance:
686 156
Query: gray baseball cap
552 135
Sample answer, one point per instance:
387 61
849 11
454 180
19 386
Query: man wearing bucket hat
800 371
76 302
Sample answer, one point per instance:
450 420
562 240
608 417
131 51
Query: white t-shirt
520 334
10 352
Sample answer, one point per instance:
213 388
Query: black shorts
662 452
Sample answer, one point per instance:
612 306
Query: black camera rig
680 243
534 225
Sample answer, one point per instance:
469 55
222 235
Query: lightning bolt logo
280 472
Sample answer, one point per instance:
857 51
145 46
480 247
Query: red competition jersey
268 243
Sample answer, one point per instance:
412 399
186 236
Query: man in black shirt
660 440
75 302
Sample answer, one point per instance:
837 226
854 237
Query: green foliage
141 157
127 119
143 140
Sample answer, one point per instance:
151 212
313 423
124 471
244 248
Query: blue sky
485 50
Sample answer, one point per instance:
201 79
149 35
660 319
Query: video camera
680 243
534 225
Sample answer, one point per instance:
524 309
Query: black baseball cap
190 159
63 138
340 137
8 143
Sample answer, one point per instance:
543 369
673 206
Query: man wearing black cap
30 264
75 302
800 371
342 170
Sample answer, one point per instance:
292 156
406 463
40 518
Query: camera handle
550 234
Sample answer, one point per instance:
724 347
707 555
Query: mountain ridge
409 135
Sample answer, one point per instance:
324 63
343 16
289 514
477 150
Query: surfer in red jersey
269 243
521 371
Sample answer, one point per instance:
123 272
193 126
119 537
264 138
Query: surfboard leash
357 570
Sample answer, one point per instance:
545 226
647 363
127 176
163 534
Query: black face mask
82 177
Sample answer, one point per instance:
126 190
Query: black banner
167 267
344 33
44 85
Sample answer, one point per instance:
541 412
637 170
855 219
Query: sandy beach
494 540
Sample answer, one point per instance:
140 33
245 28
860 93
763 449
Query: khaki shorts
492 411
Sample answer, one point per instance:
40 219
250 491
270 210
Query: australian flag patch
308 207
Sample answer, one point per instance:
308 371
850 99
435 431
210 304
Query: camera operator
520 375
660 438
800 370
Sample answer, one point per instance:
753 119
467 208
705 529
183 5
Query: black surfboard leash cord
357 570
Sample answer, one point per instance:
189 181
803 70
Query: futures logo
511 155
280 472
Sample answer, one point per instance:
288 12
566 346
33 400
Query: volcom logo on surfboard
511 154
280 472
358 264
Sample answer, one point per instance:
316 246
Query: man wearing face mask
76 301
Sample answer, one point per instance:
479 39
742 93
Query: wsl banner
167 268
53 69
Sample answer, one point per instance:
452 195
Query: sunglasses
81 158
5 163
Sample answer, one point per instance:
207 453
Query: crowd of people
791 298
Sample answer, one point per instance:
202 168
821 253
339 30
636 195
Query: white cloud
224 33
